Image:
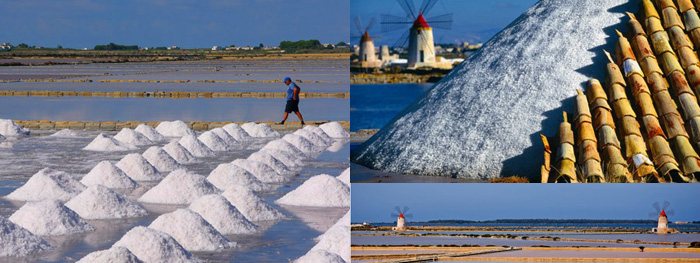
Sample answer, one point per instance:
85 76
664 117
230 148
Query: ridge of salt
321 191
286 157
196 147
320 255
179 187
150 133
222 215
314 138
99 202
161 160
9 128
237 132
271 161
49 218
107 174
48 184
65 133
176 128
227 174
130 136
106 143
345 177
18 241
259 130
111 255
280 144
179 153
214 142
262 171
152 245
250 205
138 168
302 143
191 230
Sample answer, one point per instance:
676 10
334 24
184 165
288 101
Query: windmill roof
366 37
663 213
420 22
401 215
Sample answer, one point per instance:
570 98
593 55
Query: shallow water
431 240
374 105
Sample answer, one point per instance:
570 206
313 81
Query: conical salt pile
227 174
65 133
161 160
320 255
107 174
224 135
105 143
179 153
345 177
151 245
237 132
262 171
484 118
280 144
9 128
48 184
195 146
192 231
49 218
214 142
288 158
138 168
112 255
99 202
222 215
250 205
318 131
271 161
259 130
334 130
314 138
336 240
302 143
321 190
17 241
174 129
179 187
130 136
150 133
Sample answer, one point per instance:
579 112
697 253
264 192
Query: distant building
214 48
173 47
5 47
326 45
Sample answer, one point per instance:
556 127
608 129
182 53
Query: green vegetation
311 44
112 46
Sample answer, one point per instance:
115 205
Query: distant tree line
540 221
112 46
301 44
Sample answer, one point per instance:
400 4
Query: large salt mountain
483 120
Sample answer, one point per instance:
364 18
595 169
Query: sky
475 21
376 202
188 24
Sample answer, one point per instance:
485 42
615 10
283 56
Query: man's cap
287 79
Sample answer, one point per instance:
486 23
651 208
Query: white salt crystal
9 128
112 255
288 158
49 218
302 143
334 130
280 144
222 215
151 245
107 174
227 174
196 147
150 133
259 130
250 205
314 138
130 136
179 153
237 132
271 161
321 190
320 255
99 202
192 231
262 171
214 142
161 160
48 184
17 241
65 133
105 143
138 168
179 187
345 177
174 129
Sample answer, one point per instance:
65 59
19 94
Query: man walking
292 100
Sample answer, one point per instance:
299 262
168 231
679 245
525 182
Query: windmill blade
398 209
657 207
441 21
405 209
653 215
401 42
408 215
394 215
666 204
371 23
408 7
426 6
392 23
358 25
670 212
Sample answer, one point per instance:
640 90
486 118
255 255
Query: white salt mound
280 144
161 160
314 138
224 135
49 218
179 153
17 241
133 137
222 215
321 190
302 143
288 158
174 129
107 174
237 132
262 171
138 168
271 161
320 255
192 231
250 205
345 177
105 143
259 130
112 255
196 147
99 202
9 128
336 240
179 187
150 133
65 133
48 184
214 142
151 245
335 130
318 131
227 174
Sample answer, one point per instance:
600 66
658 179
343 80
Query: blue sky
203 23
375 202
474 20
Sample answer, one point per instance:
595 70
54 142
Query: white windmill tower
400 218
662 225
367 55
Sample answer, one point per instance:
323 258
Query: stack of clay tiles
652 135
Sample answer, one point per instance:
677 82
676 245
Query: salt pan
195 146
335 130
280 144
179 153
228 139
130 136
271 161
9 128
321 190
150 133
288 158
302 143
107 174
112 255
65 133
192 231
313 138
227 174
345 177
161 160
259 130
237 132
222 215
179 187
174 129
250 205
262 171
320 255
335 240
99 202
17 241
138 168
48 184
151 245
49 218
105 143
214 142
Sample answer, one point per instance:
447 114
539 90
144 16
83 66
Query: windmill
401 218
367 56
662 213
421 47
